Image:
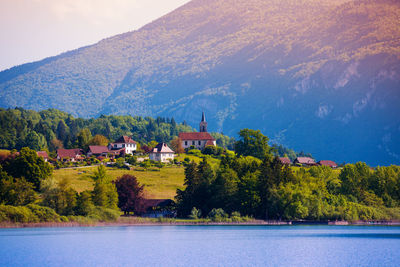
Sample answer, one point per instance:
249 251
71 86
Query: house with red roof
328 163
285 161
43 154
75 154
162 153
104 152
304 161
200 139
124 142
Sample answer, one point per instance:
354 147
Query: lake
202 246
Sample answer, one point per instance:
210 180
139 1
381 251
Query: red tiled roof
329 163
69 153
305 160
98 149
162 148
285 160
125 140
42 154
210 143
196 136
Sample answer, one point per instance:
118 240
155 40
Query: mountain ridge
322 76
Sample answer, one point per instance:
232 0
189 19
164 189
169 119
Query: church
198 139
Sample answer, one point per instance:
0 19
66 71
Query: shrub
44 214
195 152
17 214
218 215
195 214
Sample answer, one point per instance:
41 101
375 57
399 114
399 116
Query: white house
198 139
124 142
162 153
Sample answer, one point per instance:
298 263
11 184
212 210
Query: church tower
203 123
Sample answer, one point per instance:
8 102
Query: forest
255 183
52 129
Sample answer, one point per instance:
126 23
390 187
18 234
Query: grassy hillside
158 184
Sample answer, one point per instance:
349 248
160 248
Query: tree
61 198
28 165
224 190
100 174
198 179
130 194
84 204
176 145
99 140
83 138
16 192
252 143
35 141
62 131
55 144
105 195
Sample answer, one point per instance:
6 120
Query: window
115 145
193 143
199 143
185 143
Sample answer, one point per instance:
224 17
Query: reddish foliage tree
130 194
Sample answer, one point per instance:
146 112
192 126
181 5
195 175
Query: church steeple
203 123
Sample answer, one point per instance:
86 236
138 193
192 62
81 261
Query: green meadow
158 183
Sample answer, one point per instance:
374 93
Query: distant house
43 154
162 153
200 139
285 161
328 163
304 161
97 151
75 154
156 208
124 142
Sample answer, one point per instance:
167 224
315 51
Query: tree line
255 183
28 193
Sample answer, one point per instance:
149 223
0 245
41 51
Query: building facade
162 153
198 140
124 142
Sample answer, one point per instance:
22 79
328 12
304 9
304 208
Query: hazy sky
31 30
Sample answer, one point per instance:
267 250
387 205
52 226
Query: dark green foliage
252 143
28 165
61 198
38 130
281 151
16 192
267 190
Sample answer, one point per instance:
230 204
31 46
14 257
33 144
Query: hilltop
323 76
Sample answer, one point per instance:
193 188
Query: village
125 147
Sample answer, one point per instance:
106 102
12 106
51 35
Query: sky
31 30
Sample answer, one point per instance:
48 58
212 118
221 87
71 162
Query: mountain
321 76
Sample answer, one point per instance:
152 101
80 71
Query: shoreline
135 221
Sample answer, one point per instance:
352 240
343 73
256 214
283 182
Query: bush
104 214
218 215
17 214
44 214
195 152
195 214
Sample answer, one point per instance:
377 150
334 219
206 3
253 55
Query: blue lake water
202 246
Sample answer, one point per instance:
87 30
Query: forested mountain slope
317 75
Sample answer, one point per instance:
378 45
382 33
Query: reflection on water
202 246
